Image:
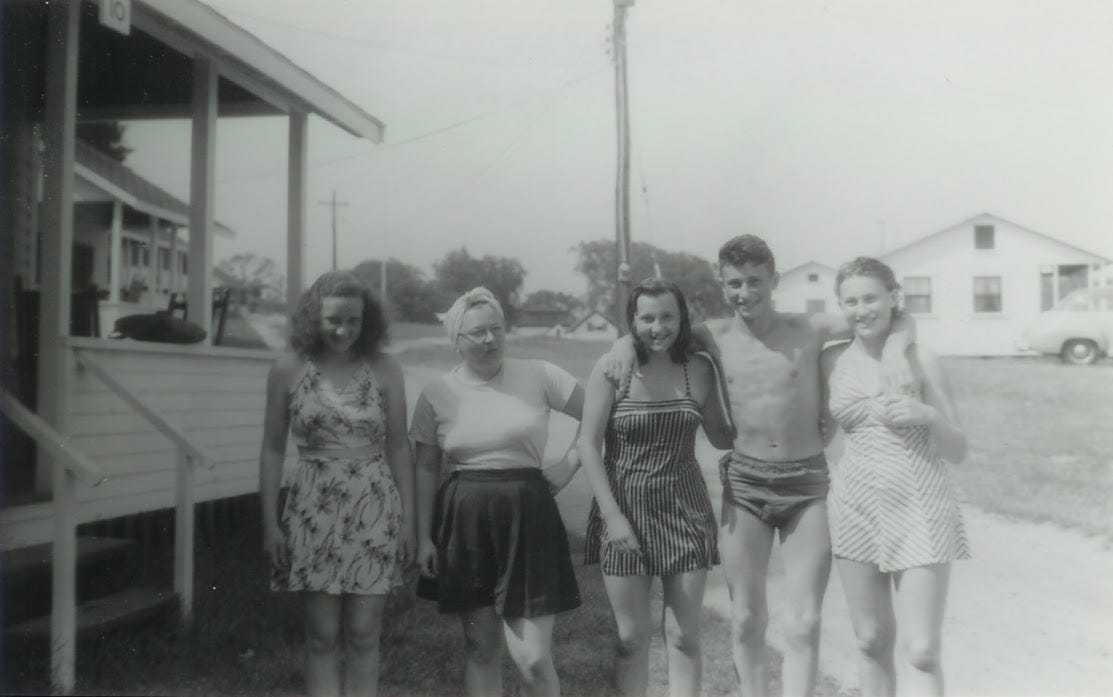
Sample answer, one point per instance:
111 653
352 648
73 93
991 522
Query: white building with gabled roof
974 286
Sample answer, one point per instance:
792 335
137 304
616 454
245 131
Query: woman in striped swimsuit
895 522
652 515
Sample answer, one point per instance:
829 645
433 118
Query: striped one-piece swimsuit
891 501
650 460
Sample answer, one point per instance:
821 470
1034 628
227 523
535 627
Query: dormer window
984 237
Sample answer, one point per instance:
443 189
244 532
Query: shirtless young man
775 477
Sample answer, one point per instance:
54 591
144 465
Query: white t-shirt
502 423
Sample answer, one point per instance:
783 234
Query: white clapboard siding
215 395
127 424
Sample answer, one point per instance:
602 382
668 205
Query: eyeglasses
479 334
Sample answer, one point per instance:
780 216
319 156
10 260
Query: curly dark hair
747 249
867 266
653 287
305 335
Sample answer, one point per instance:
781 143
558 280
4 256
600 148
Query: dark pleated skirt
500 542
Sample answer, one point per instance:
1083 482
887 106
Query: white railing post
183 536
63 614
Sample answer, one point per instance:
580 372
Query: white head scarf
453 318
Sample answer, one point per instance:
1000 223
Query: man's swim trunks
773 491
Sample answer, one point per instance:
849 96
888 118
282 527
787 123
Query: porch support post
296 180
201 197
54 322
152 270
116 240
175 263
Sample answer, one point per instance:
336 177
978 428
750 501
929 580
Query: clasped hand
621 534
903 410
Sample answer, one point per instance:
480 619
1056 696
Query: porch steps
100 615
106 569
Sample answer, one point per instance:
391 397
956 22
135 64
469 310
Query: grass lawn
1041 440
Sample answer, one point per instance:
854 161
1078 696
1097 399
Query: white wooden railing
68 464
190 455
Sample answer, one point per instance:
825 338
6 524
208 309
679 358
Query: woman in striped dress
894 519
652 515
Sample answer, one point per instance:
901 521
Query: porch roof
120 183
149 73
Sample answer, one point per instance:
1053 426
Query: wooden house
123 427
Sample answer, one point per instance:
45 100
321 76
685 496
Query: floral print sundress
343 514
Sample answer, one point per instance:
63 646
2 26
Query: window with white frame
987 294
917 294
813 278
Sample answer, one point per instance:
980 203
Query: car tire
1079 352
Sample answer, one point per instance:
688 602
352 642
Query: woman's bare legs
322 644
363 618
482 664
871 612
921 596
681 625
529 640
629 596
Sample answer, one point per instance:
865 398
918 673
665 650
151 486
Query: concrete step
105 565
98 616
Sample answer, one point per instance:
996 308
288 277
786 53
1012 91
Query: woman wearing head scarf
492 537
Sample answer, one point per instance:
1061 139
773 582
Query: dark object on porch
158 327
221 297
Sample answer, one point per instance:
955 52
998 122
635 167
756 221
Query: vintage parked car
1079 329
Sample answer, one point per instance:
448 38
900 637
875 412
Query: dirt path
1031 614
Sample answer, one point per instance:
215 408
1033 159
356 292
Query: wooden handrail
55 443
192 451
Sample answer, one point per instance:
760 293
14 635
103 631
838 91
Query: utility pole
382 280
622 179
333 203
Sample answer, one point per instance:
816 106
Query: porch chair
221 297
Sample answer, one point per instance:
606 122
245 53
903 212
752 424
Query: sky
830 129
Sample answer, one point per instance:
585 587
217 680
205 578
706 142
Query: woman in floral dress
347 527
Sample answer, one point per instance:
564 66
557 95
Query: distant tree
411 297
695 276
105 136
459 271
552 299
251 278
